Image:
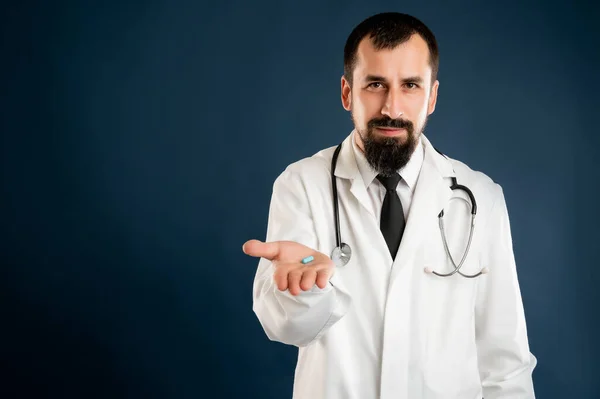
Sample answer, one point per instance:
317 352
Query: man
385 325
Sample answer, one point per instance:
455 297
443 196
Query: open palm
290 273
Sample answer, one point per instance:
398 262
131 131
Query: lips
390 131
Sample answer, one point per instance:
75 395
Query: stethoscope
342 253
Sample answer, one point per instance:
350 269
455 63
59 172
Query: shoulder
484 188
313 169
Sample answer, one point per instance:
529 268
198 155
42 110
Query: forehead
410 58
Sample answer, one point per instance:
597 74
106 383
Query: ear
346 94
433 97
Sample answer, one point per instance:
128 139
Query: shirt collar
409 173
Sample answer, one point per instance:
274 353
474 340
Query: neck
359 142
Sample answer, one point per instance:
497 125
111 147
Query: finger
267 250
323 277
308 279
280 276
294 277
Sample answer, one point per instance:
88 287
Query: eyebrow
376 78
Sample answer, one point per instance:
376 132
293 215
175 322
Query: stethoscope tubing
454 186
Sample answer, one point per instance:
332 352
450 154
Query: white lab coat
386 329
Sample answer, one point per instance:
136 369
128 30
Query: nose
393 105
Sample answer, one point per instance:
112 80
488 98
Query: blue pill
308 259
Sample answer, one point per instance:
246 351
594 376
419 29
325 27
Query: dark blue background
139 147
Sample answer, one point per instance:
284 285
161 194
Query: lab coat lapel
347 168
431 194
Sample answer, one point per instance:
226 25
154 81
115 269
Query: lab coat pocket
453 294
449 301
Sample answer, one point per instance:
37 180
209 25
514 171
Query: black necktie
392 215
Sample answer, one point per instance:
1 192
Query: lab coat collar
347 168
441 162
348 164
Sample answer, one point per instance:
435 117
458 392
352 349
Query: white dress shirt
376 190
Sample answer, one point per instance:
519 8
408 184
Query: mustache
390 123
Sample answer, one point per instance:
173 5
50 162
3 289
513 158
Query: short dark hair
387 30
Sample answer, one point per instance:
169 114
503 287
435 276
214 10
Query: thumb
267 250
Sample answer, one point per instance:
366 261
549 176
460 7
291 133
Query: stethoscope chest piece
341 255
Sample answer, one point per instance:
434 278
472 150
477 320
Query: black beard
388 154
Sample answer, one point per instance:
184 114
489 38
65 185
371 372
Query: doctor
382 325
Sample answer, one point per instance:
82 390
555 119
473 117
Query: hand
290 272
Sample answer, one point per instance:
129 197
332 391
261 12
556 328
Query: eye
375 85
411 85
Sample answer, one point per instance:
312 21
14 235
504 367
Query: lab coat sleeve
294 320
505 362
